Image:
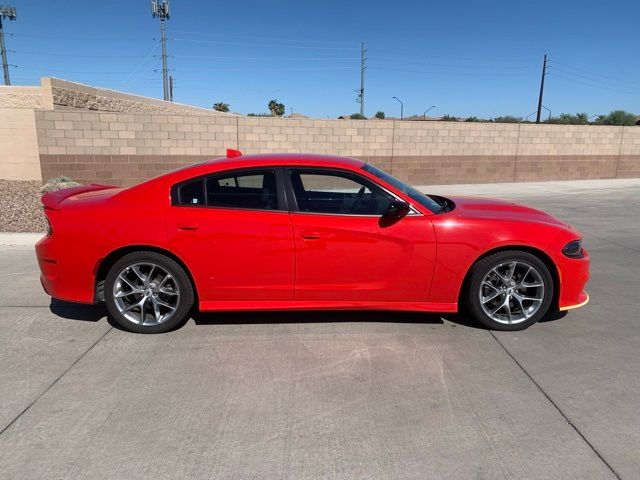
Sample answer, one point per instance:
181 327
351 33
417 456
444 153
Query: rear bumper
57 273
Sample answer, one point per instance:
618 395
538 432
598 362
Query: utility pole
544 73
9 13
360 98
160 9
170 88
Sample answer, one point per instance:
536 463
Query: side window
252 190
337 193
191 193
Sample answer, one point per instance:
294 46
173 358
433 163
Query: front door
344 252
234 233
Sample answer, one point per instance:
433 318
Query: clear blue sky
469 57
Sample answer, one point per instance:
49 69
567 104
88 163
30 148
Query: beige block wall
95 133
19 155
88 133
335 137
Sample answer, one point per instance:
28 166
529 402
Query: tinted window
413 193
337 193
191 193
254 190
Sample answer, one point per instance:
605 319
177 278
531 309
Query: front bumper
574 275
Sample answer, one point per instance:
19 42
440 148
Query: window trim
283 206
366 181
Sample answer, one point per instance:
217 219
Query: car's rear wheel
147 292
509 290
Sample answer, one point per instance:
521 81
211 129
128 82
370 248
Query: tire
503 302
159 281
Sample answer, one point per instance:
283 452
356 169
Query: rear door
234 232
344 252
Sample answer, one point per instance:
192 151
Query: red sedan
275 232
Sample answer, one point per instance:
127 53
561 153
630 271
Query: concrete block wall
99 135
125 148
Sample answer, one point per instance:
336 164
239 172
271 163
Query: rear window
255 190
191 193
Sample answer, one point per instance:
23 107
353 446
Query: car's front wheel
509 290
147 292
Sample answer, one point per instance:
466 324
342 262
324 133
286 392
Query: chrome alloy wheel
512 292
146 294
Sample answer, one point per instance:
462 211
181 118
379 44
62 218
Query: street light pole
424 115
401 107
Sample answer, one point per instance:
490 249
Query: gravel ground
20 207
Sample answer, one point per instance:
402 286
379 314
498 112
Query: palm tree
582 118
221 107
277 109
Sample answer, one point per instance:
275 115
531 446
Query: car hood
489 208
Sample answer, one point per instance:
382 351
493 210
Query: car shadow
313 316
78 311
94 313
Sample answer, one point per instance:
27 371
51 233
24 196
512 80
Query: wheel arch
543 256
103 266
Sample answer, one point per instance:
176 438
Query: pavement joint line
26 409
18 273
567 419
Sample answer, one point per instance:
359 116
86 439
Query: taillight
573 249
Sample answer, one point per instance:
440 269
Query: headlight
573 249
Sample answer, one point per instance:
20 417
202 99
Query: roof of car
248 161
288 159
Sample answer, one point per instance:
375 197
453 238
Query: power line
265 69
450 73
193 40
597 80
580 82
296 59
594 73
53 54
244 37
445 65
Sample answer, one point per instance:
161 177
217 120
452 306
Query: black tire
183 303
483 267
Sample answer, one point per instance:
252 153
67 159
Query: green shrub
58 183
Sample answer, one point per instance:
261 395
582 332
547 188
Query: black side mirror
396 210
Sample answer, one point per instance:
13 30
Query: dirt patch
20 207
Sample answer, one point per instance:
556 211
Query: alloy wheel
146 294
512 292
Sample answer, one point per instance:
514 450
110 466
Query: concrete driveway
333 395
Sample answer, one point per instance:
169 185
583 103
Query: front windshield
408 190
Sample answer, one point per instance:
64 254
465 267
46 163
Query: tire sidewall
482 268
178 273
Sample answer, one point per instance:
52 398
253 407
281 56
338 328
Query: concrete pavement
333 395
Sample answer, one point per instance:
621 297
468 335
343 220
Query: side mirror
396 210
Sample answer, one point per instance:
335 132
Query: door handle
188 227
310 235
